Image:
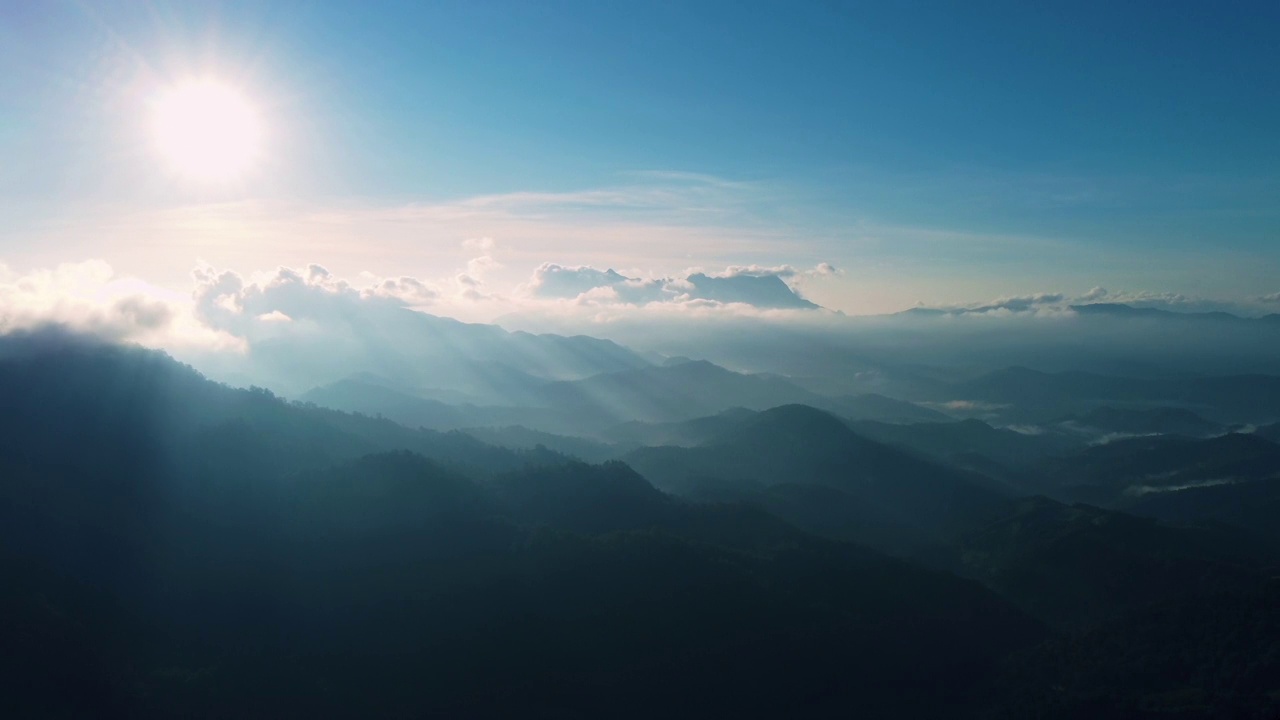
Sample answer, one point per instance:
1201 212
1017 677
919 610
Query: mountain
483 364
1198 657
357 395
584 498
1146 421
664 394
80 406
698 431
173 547
372 398
581 407
1026 395
1124 471
669 393
1270 432
393 581
1088 310
177 548
686 433
876 407
518 437
891 498
956 442
1248 504
700 388
1103 310
1078 565
1129 311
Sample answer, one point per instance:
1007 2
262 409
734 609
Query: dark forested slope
174 548
809 467
177 548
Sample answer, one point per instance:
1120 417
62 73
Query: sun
207 130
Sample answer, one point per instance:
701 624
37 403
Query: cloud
471 281
1173 302
779 271
753 285
1031 304
1058 303
408 290
1270 299
225 301
307 326
1027 302
89 297
143 313
552 281
967 406
559 281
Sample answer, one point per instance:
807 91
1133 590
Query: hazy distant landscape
639 360
628 539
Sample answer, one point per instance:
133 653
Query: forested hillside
179 548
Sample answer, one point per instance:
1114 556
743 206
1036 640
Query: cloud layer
294 328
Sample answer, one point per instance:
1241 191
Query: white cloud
752 285
484 244
225 301
89 297
408 290
552 281
781 271
470 283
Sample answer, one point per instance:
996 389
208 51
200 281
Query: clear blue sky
941 151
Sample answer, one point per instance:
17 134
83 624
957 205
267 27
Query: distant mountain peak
1125 310
1097 309
795 420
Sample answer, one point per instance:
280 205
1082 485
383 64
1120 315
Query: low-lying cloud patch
1057 303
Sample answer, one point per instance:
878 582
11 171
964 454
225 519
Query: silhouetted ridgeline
177 548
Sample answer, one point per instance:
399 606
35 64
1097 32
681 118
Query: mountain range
668 534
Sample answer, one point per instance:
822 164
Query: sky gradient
935 153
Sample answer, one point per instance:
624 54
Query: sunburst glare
207 130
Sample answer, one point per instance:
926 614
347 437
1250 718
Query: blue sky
935 152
